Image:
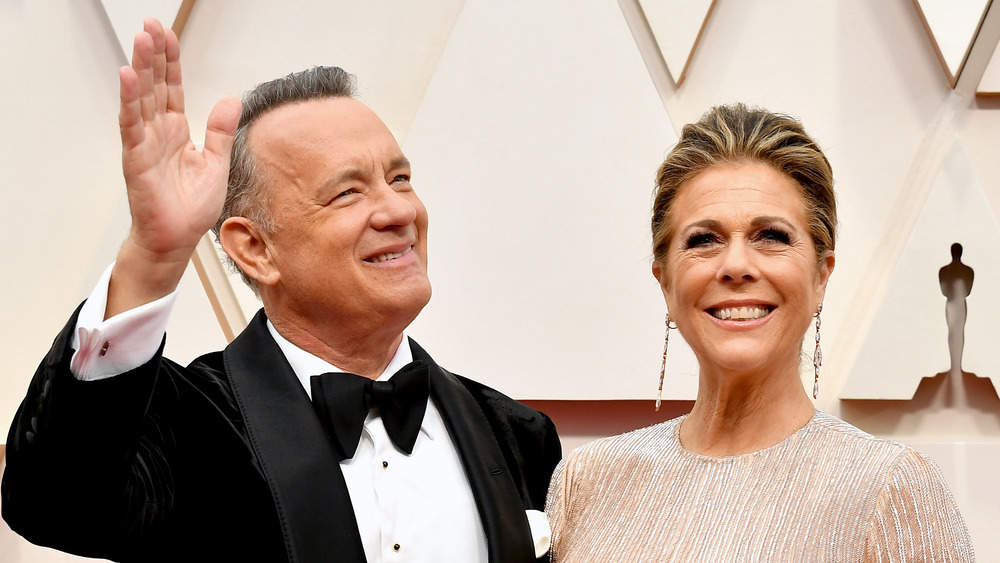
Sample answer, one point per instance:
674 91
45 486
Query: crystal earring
663 364
817 355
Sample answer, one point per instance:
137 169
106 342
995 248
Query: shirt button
385 465
104 349
395 547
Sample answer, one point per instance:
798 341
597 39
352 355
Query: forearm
141 276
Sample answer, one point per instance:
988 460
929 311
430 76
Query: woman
744 225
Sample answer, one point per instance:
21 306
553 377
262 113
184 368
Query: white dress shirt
416 507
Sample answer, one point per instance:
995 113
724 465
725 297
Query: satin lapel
306 482
500 506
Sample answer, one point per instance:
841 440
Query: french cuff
541 534
105 348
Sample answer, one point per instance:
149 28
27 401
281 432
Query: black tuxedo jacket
225 460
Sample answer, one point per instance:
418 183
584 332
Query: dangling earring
663 364
817 355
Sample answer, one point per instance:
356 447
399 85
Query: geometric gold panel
953 26
990 83
126 17
677 26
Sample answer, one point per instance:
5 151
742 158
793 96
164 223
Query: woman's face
741 277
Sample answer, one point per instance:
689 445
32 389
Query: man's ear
244 242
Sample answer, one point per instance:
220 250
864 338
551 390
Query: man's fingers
175 92
142 55
159 62
221 131
130 113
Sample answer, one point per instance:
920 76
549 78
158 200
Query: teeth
388 256
741 313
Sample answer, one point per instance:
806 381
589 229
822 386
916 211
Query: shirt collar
306 365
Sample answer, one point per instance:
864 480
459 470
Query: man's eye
401 178
345 193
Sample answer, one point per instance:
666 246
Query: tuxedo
226 459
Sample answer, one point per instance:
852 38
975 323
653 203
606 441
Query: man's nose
393 209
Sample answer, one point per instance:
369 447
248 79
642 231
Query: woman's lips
745 313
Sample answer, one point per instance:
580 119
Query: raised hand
175 192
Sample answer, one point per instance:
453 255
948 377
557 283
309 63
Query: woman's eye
700 239
774 235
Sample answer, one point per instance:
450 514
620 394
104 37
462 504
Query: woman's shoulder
837 429
911 513
655 438
896 457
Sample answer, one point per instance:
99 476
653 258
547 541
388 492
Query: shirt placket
384 468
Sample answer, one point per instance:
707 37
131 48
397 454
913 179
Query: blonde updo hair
736 135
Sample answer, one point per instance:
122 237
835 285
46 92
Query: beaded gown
829 492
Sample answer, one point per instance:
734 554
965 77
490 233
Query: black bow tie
342 401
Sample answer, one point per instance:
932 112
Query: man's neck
306 365
361 353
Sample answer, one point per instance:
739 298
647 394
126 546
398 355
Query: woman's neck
736 416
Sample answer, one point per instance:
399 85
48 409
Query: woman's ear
660 273
825 269
244 242
657 269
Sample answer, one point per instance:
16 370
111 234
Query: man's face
350 243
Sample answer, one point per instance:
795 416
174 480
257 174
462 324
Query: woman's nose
737 263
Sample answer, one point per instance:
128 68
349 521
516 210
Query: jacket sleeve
549 455
528 439
86 460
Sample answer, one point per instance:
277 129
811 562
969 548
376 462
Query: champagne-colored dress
829 492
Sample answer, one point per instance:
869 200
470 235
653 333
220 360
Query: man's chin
410 301
422 298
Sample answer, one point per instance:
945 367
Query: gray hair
248 189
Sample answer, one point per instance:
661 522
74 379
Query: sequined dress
829 492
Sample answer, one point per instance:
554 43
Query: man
119 453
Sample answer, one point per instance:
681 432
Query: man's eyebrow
352 173
399 162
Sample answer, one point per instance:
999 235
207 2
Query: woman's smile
741 276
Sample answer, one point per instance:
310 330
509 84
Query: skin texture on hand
175 192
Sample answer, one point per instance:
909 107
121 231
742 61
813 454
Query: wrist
142 276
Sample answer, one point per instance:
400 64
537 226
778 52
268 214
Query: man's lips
742 313
389 255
